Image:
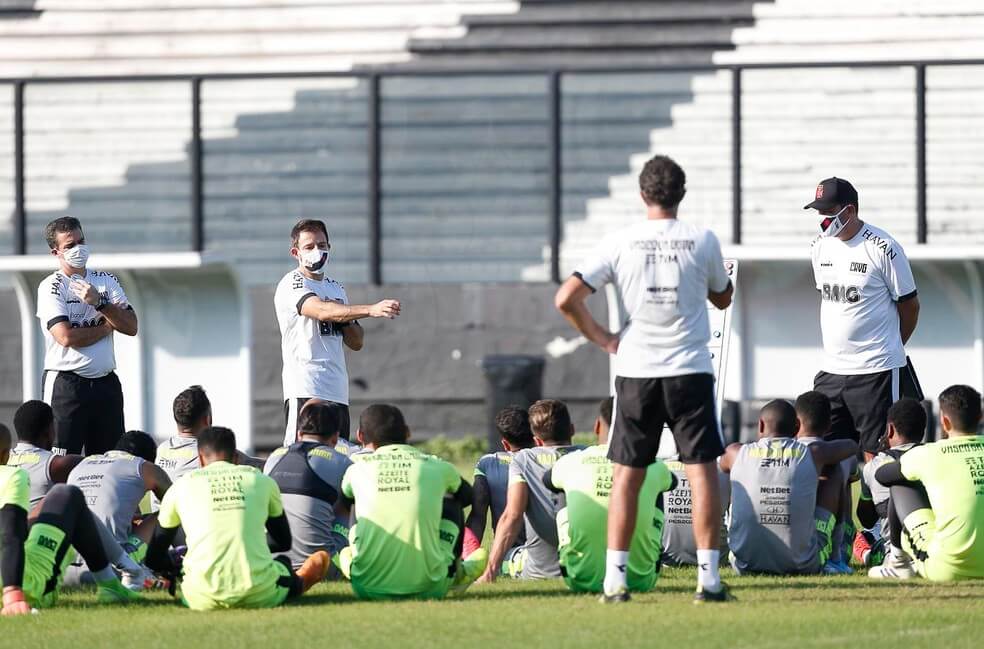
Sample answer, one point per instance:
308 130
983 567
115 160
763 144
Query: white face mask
76 257
314 260
832 225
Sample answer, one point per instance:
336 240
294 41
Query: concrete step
549 14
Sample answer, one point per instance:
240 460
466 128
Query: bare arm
507 529
78 337
249 460
908 317
826 453
353 335
722 300
328 311
730 455
569 300
122 320
155 479
61 466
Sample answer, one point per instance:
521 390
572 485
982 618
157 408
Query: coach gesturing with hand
868 310
79 309
316 320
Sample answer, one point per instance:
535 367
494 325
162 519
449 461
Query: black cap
832 192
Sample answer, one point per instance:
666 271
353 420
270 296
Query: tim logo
858 267
841 294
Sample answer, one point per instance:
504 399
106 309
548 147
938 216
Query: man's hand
14 602
611 345
385 309
487 577
84 291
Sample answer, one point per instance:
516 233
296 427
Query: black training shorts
644 406
859 403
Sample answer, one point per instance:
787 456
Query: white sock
106 574
616 563
707 570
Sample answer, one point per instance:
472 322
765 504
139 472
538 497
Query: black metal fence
555 117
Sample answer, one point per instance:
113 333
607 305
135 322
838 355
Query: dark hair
61 224
217 441
550 420
779 417
307 225
605 410
813 409
909 418
5 439
139 444
321 418
961 404
663 182
32 419
513 425
190 406
383 424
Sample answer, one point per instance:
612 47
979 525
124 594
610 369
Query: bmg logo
841 294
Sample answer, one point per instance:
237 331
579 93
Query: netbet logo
841 294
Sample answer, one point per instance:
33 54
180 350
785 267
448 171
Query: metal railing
554 76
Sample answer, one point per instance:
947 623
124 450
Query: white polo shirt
314 358
663 269
861 282
57 303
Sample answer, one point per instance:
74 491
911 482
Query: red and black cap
832 192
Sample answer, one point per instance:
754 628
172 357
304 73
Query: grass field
771 613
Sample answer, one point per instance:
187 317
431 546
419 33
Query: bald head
778 419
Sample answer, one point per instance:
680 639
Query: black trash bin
510 380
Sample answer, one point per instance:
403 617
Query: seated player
32 559
782 514
813 412
582 526
528 500
227 511
409 516
34 422
309 474
936 512
679 546
178 455
115 482
492 475
905 429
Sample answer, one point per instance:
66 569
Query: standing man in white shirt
315 320
79 309
665 270
868 311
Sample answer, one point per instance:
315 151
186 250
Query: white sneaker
896 566
136 581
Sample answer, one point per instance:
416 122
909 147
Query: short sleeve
516 469
17 490
912 464
815 261
599 268
898 274
661 475
52 307
347 479
291 293
276 504
115 293
480 467
717 274
558 473
452 479
167 516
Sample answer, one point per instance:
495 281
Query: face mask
77 256
314 260
831 226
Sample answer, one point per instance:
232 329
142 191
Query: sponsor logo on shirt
826 264
858 267
841 294
881 244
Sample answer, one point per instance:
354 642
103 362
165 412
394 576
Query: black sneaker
618 598
724 595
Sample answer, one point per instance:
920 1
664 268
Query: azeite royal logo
858 267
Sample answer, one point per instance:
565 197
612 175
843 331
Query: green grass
771 613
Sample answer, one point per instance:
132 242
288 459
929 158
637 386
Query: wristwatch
103 302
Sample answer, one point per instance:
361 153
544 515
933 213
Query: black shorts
88 412
859 403
291 409
644 406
